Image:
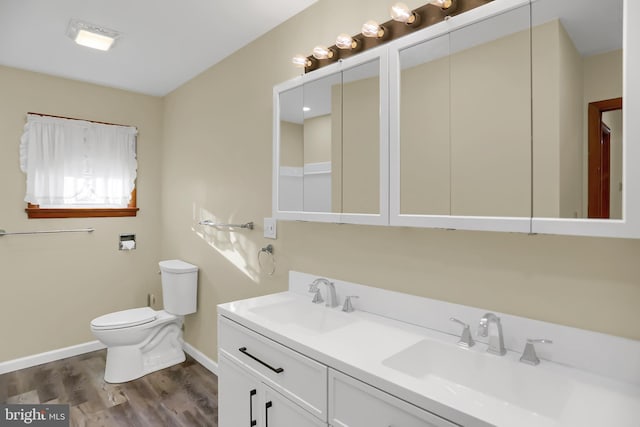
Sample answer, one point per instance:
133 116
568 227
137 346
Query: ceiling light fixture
91 35
372 29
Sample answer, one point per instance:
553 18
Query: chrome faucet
332 298
496 340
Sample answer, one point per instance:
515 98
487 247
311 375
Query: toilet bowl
142 340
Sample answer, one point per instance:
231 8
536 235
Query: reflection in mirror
577 64
321 133
424 128
465 121
291 140
610 170
359 186
309 115
491 117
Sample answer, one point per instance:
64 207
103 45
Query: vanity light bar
403 22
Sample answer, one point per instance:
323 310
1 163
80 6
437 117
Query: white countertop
427 368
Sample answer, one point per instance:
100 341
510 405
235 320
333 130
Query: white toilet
141 340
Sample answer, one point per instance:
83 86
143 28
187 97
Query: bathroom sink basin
312 318
484 378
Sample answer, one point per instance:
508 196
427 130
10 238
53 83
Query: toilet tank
179 286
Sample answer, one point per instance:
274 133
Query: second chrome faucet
332 298
496 339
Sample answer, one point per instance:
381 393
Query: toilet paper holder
127 242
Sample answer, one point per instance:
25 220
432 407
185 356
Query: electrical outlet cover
270 228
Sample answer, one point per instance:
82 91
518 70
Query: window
77 168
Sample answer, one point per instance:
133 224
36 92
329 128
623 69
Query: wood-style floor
182 395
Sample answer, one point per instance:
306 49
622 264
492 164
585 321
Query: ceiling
163 43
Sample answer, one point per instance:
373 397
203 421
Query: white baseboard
201 358
49 356
88 347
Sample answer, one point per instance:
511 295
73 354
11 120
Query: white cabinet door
238 395
245 401
353 403
278 411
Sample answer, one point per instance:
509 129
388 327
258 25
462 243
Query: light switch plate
270 228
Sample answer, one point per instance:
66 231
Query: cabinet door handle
266 413
244 351
252 422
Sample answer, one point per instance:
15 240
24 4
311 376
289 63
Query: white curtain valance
78 163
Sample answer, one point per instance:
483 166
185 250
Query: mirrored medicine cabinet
509 117
331 144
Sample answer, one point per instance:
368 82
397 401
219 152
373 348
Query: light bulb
400 12
301 61
372 29
321 52
345 41
443 4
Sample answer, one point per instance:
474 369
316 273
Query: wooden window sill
35 212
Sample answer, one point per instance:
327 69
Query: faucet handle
317 297
466 340
348 307
529 355
313 287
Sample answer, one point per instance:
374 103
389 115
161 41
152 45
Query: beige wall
425 139
214 162
336 148
291 144
546 119
216 165
317 139
571 127
491 128
361 146
53 285
564 83
557 123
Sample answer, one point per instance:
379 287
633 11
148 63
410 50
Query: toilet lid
125 318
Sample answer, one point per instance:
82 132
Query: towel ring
269 251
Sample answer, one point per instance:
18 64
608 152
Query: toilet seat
125 318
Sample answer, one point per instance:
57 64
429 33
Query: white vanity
395 361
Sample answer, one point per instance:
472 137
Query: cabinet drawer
353 403
298 377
